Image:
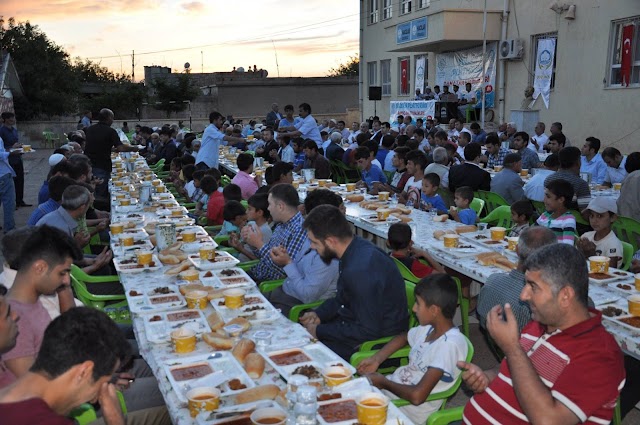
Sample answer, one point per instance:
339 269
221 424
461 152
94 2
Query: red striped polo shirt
582 366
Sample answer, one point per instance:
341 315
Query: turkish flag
625 64
404 71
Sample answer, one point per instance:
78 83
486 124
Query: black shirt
101 138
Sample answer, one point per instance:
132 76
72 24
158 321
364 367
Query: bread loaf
240 321
174 271
254 365
466 229
355 198
215 321
441 218
184 289
262 392
216 341
242 349
168 259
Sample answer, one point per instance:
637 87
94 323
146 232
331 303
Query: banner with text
424 109
544 69
465 66
420 70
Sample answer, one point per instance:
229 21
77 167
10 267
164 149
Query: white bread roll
242 349
254 365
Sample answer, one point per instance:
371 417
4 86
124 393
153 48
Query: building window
385 73
387 9
404 82
534 55
372 73
373 11
405 7
619 48
423 3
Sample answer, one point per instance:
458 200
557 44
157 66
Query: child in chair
399 240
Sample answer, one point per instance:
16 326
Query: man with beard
310 277
370 302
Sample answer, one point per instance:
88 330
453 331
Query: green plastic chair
579 219
445 417
248 265
297 310
225 180
50 137
539 206
86 413
348 174
500 216
627 230
270 285
477 205
462 301
115 306
492 200
158 166
627 255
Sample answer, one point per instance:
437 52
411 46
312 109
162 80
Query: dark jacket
469 175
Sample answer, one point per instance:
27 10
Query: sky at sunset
310 36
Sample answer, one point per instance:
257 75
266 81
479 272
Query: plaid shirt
291 236
497 159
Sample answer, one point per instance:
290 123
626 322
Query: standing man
371 300
208 155
85 121
101 139
7 187
273 116
547 375
9 134
591 161
307 128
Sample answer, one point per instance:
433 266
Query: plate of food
222 260
256 308
628 288
184 372
129 264
226 278
143 299
143 244
630 322
494 259
158 326
464 249
611 276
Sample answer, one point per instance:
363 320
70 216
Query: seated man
503 288
309 277
615 166
8 335
371 301
507 183
315 160
57 185
469 173
592 162
69 370
495 152
547 375
371 173
283 207
534 187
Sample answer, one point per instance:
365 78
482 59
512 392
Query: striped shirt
582 367
564 226
581 191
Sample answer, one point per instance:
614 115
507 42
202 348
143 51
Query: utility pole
133 66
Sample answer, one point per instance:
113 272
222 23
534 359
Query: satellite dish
187 65
240 69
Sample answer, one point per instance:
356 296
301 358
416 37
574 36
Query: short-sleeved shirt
60 219
467 216
31 411
309 129
34 319
209 149
374 174
609 246
215 208
6 376
580 187
400 179
530 158
497 159
442 353
247 184
564 226
586 380
616 175
101 138
435 202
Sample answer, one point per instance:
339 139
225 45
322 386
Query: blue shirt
9 135
43 194
374 174
467 216
481 137
435 201
299 161
42 210
309 278
4 161
597 167
210 147
228 228
381 156
284 122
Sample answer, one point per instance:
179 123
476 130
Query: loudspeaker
375 93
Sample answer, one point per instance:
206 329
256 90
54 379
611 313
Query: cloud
193 6
43 10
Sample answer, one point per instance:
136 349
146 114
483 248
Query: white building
586 95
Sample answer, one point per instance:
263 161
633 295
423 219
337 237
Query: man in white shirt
453 134
466 98
615 166
591 161
364 128
207 156
534 187
539 140
307 128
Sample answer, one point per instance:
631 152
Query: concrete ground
36 167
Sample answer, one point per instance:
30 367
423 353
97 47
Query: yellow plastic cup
144 257
295 184
599 264
383 196
513 243
127 240
197 299
372 409
234 298
634 304
637 281
183 340
351 187
617 186
524 172
156 182
497 233
189 275
336 375
161 189
383 213
26 148
189 235
177 212
125 202
451 240
207 252
268 416
116 228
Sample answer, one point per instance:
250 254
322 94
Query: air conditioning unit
511 49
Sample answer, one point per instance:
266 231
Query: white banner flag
424 109
544 69
420 65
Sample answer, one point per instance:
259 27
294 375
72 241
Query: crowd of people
538 315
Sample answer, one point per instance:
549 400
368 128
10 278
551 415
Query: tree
349 69
47 76
171 96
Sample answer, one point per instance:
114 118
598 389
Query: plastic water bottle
306 405
410 203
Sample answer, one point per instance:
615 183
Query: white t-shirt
443 354
541 139
190 188
414 191
609 246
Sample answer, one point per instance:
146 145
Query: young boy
215 203
235 217
461 213
558 195
436 346
401 245
370 172
430 198
416 162
400 176
198 196
258 214
603 211
189 186
521 212
232 192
